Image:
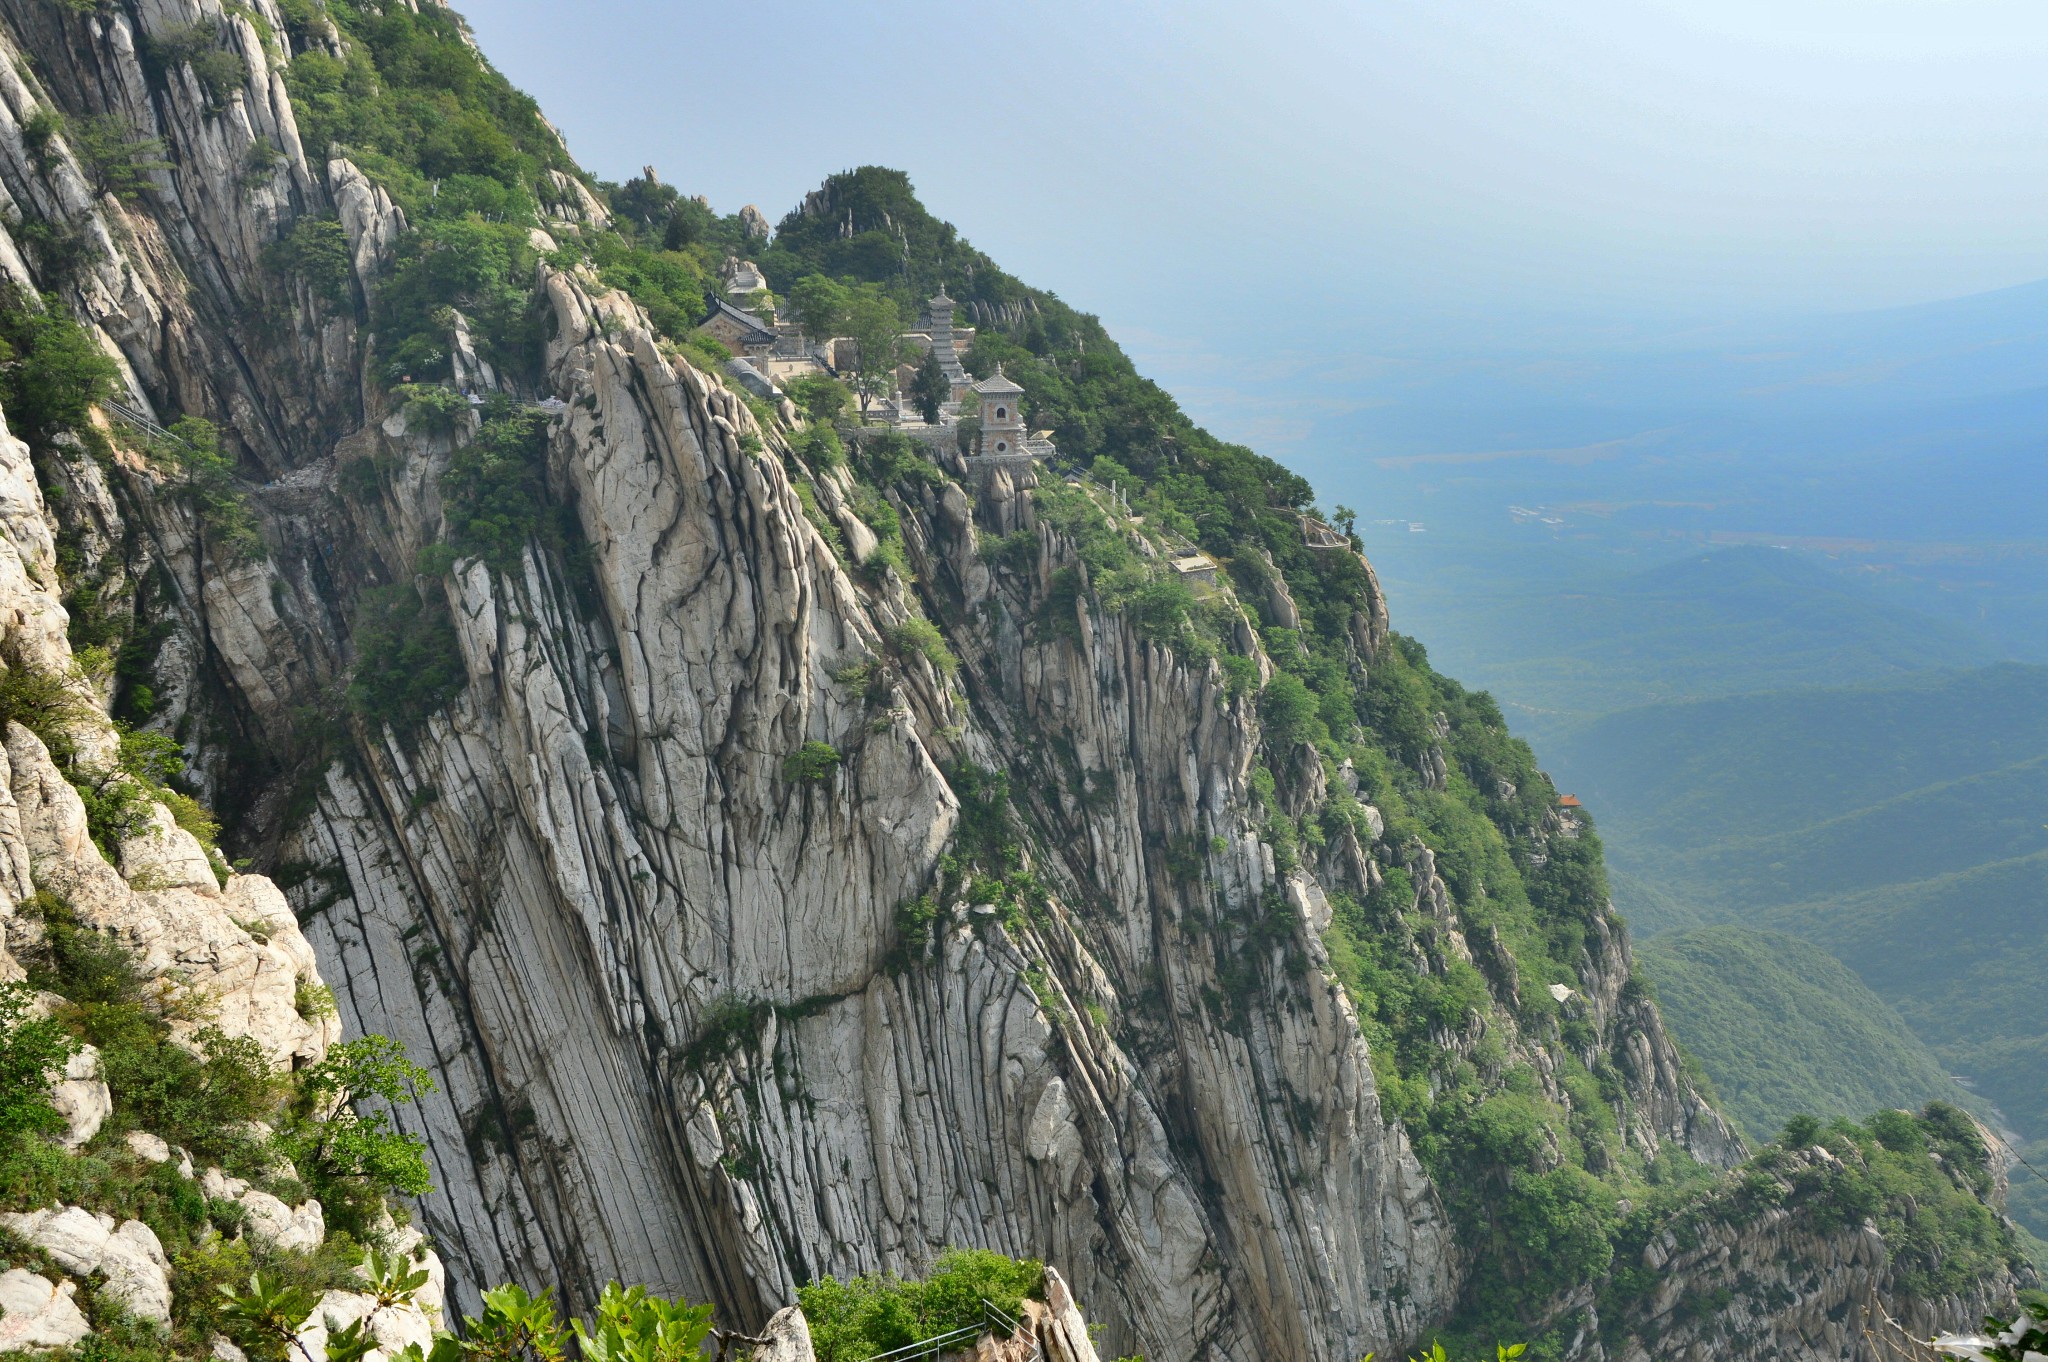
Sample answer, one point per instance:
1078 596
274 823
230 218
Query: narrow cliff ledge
1088 942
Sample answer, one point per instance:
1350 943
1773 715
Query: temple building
1002 415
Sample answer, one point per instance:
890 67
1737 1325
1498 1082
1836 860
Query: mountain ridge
1206 941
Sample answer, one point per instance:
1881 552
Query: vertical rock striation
696 1022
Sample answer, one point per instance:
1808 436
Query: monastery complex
769 352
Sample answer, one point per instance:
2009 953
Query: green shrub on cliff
412 103
206 482
52 372
811 763
408 661
339 1132
316 250
497 492
855 1319
205 1091
478 268
33 1051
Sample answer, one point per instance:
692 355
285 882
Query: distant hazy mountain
1782 1027
1557 649
1901 828
1688 775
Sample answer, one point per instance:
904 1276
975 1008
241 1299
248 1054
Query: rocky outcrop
266 1218
237 946
127 1254
1783 1283
36 1312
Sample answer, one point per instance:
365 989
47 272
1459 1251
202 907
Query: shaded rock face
682 1030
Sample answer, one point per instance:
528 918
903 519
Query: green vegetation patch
1785 1029
496 489
408 660
858 1318
52 371
412 103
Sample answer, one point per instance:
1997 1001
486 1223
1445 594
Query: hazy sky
1169 165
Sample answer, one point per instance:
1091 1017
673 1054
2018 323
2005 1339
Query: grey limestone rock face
691 1022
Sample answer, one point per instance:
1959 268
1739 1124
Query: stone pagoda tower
1002 415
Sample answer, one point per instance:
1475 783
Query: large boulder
163 855
268 1220
789 1338
36 1312
396 1327
81 1097
127 1254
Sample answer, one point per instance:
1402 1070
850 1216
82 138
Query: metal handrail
930 1347
140 421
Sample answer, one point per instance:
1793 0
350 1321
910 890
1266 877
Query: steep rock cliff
695 1022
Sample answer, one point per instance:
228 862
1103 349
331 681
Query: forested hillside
1784 1029
1902 828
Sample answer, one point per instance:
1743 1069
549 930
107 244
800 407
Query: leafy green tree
339 1132
317 251
207 477
930 388
861 313
855 1319
433 408
52 371
669 285
33 1052
39 133
515 1327
811 763
633 1326
408 659
115 160
471 143
200 47
1289 710
265 1316
874 323
820 305
820 398
496 487
647 203
482 269
820 447
689 223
